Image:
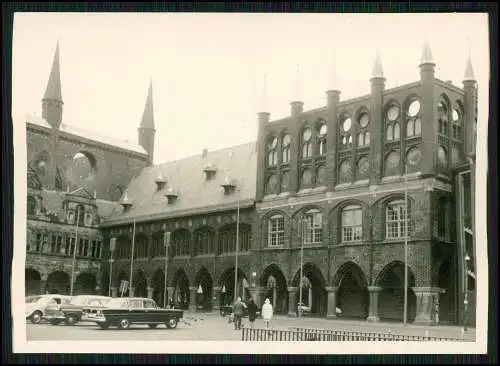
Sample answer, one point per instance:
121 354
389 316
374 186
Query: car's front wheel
36 317
124 324
71 319
172 323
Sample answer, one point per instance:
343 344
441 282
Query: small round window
455 115
323 130
307 134
393 113
346 124
364 120
414 108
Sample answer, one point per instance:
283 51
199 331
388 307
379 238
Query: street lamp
77 218
466 292
112 247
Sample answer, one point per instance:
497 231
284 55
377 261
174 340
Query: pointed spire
296 91
148 120
53 90
378 72
426 54
469 71
263 102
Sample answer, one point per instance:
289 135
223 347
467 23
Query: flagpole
301 267
405 313
166 242
237 248
132 262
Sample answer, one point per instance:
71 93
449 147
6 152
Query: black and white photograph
250 183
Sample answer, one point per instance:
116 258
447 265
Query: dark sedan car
122 312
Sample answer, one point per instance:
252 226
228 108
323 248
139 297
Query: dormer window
126 203
209 171
171 195
160 182
228 185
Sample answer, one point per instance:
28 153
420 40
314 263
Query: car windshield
32 299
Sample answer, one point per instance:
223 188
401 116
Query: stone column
216 297
150 292
114 291
426 300
292 301
332 302
42 286
257 292
374 293
192 298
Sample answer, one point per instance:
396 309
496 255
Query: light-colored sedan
71 313
36 305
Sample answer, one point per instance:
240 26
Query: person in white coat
267 312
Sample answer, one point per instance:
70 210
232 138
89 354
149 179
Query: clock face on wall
364 120
307 134
413 156
393 113
363 165
393 160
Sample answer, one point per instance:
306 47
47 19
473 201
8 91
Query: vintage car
36 305
71 313
122 312
303 308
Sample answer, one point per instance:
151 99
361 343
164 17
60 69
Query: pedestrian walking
252 312
267 312
238 308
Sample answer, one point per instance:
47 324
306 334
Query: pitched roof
187 178
71 130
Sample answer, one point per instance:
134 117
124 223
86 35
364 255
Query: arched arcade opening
140 284
314 295
227 286
85 284
274 282
352 298
159 289
204 285
32 282
58 282
391 300
181 296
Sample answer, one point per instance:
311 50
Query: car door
136 310
151 312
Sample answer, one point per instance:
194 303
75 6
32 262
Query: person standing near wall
267 312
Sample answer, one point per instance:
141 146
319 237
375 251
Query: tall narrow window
322 133
306 143
276 231
286 149
272 155
396 220
352 223
392 123
312 227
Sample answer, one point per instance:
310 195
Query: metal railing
303 334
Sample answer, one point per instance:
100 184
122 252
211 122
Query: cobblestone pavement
212 326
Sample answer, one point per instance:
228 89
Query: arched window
392 123
306 143
457 124
227 239
286 149
276 231
352 223
204 241
312 227
396 219
322 134
443 117
345 132
181 243
413 123
272 155
31 209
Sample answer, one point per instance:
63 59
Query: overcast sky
207 69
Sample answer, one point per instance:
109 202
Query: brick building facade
74 181
326 185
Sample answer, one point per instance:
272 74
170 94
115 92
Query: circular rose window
364 120
307 134
346 124
322 130
393 113
414 108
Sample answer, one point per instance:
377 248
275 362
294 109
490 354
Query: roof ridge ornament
378 72
427 54
469 70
